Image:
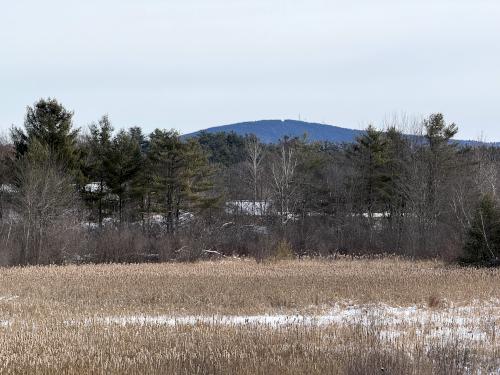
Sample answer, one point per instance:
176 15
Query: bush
482 246
284 251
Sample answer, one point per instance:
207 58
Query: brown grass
48 331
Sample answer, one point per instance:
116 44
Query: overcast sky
191 64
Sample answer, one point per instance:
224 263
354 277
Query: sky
192 64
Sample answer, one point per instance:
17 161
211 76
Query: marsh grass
417 318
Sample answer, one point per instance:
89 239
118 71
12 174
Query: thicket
482 246
100 195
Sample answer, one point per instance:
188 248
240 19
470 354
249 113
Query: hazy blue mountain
271 131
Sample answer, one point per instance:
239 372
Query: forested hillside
272 131
100 194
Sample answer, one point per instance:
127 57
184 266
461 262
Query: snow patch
467 322
246 207
8 298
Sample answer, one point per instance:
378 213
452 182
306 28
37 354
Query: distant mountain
271 131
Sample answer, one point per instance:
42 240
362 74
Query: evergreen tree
199 178
369 156
141 186
166 155
98 146
440 155
49 125
483 238
313 191
397 185
223 148
122 164
137 135
181 174
142 190
313 194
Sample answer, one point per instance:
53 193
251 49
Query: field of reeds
339 316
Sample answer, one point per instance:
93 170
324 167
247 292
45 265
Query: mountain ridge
271 131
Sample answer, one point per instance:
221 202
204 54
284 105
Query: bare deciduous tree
255 156
6 153
283 173
46 203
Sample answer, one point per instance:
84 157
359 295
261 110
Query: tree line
99 195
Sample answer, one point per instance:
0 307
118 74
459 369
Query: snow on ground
246 207
474 322
8 189
6 323
8 298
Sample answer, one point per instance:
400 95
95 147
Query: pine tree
440 155
48 125
166 155
369 155
137 135
123 162
396 195
199 178
223 148
181 175
98 146
141 187
483 238
436 159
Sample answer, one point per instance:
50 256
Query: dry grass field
342 316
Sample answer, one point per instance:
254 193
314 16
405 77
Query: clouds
194 63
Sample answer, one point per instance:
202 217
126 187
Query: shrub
284 251
482 246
